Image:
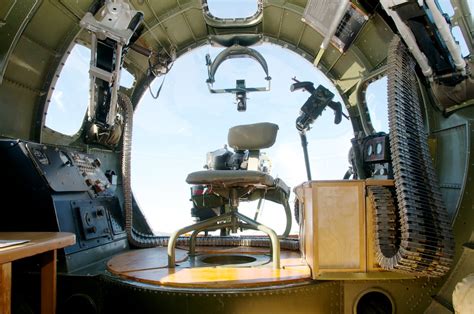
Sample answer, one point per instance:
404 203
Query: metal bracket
112 21
111 29
233 52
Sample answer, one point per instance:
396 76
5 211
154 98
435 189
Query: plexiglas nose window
70 98
173 134
229 9
376 98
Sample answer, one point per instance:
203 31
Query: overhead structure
427 34
111 30
338 21
240 90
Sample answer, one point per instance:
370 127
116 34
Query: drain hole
228 259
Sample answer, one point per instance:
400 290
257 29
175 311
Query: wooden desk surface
39 242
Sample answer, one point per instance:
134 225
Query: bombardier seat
238 185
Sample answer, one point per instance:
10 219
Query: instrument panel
63 189
69 170
377 149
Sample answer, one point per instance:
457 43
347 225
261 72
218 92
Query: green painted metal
35 35
14 15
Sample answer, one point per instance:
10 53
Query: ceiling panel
162 6
271 20
300 3
179 31
28 64
373 40
291 27
196 21
310 41
44 29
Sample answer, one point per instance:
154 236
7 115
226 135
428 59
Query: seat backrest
252 137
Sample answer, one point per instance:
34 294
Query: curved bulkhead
75 183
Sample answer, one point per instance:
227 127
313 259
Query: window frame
215 21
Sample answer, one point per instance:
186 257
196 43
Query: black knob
96 163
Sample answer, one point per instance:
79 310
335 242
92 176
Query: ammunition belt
417 238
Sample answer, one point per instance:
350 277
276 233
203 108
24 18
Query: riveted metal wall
315 297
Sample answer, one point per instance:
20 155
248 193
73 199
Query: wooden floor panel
150 266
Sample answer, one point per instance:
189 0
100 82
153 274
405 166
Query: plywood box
337 229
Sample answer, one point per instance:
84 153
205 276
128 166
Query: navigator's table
43 243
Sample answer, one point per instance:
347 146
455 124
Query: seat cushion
230 178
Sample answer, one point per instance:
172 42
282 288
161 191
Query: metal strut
216 223
304 144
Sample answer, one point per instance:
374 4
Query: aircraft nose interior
394 235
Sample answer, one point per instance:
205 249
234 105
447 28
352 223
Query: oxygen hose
135 238
142 240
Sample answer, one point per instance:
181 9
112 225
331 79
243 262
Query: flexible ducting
141 240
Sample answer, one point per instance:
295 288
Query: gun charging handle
337 107
308 86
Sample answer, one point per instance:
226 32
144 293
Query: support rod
445 32
174 236
212 224
272 234
304 144
343 6
409 39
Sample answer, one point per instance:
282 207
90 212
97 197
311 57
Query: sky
173 133
187 121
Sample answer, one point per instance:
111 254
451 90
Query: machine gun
112 29
320 98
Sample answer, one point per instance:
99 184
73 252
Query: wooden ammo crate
337 229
